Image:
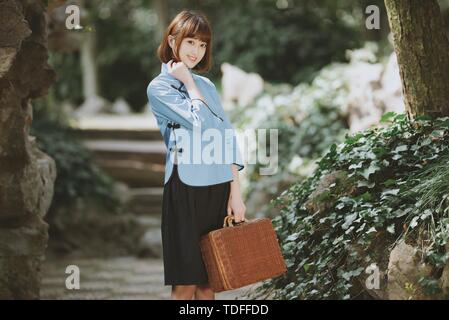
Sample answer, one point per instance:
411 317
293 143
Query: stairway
134 157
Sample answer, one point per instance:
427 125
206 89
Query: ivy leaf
368 171
387 116
437 133
401 148
400 213
427 213
366 196
371 230
390 182
361 228
349 220
292 237
340 206
392 192
337 240
353 139
390 228
356 165
414 222
365 183
306 267
354 273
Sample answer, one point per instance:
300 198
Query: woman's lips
191 59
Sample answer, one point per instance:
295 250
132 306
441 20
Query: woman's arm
235 201
167 103
179 71
192 89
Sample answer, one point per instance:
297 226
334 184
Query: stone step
118 134
136 163
144 151
125 146
112 278
136 174
145 201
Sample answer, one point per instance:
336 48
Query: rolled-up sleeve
237 155
167 103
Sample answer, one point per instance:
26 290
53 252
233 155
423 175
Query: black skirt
188 212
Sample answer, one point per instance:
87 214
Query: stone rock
7 54
322 198
26 174
444 280
405 268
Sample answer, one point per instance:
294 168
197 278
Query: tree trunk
422 49
26 174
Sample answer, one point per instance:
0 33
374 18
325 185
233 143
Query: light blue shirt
199 130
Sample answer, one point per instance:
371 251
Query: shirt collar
164 69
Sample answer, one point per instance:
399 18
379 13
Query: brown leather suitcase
240 255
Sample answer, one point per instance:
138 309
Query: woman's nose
197 51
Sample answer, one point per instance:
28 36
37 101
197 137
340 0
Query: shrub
77 176
397 190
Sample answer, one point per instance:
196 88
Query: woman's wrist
235 189
235 184
189 84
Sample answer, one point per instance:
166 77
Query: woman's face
191 51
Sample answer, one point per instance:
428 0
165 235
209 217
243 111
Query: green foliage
77 176
283 44
126 46
389 167
69 85
308 118
127 43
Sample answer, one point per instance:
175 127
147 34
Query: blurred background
310 69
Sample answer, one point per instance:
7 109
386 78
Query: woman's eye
203 45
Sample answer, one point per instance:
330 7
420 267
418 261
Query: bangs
198 29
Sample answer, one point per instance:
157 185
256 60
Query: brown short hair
187 24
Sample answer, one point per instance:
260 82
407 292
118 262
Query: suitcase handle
229 222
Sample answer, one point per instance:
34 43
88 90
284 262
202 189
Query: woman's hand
179 71
236 207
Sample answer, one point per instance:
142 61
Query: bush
375 196
77 176
283 44
308 118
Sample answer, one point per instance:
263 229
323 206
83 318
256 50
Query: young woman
198 192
